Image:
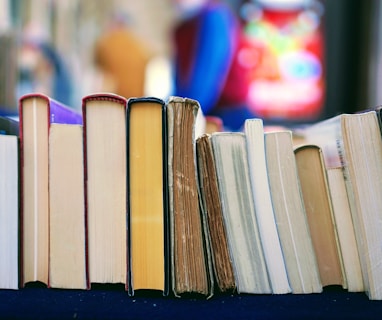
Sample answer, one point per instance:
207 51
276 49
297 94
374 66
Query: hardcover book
190 253
105 161
147 195
37 112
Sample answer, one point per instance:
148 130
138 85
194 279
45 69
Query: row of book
138 192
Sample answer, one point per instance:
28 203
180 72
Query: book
9 204
361 155
345 229
105 164
232 170
254 133
212 209
319 211
292 225
190 255
147 195
67 229
36 113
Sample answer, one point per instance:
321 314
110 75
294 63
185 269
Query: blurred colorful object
285 56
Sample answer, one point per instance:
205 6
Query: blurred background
302 60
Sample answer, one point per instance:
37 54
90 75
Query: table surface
106 302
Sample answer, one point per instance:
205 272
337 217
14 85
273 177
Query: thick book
319 211
191 264
244 242
258 172
212 210
105 161
288 205
9 204
36 113
67 229
362 155
147 195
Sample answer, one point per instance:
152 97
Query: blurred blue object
43 69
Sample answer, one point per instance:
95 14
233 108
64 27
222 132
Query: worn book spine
213 216
192 274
